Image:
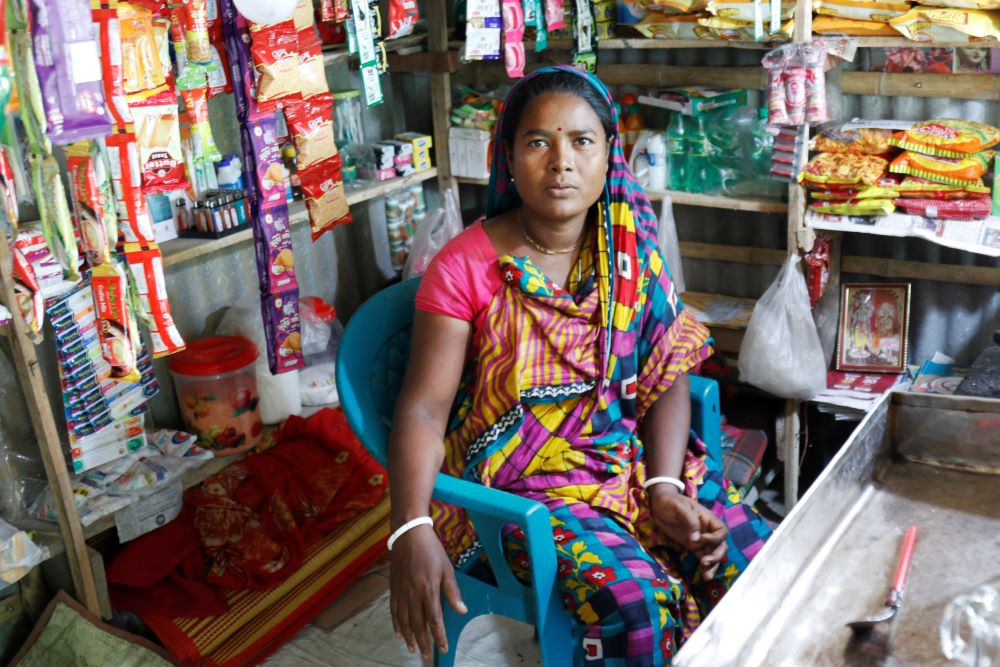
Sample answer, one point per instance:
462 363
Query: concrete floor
366 639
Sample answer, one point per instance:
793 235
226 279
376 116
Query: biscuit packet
275 256
265 152
110 40
275 52
116 325
964 171
678 6
57 222
861 10
947 137
302 15
868 192
311 125
282 331
126 177
934 24
326 201
93 205
142 71
68 66
146 265
158 137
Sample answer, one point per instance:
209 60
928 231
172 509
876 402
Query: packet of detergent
93 202
57 223
116 326
68 65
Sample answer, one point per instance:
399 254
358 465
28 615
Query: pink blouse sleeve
462 278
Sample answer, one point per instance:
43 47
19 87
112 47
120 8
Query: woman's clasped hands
690 526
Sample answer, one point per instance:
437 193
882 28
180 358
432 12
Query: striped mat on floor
259 621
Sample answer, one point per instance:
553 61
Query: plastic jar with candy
217 391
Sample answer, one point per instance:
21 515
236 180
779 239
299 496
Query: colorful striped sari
550 411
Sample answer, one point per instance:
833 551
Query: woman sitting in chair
556 323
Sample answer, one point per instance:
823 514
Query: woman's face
559 158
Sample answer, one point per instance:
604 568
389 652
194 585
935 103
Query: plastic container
632 123
677 149
347 118
656 155
217 391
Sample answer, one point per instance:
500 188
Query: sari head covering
552 403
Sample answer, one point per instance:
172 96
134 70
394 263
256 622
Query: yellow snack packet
743 10
679 26
963 4
679 6
832 25
926 24
861 10
855 207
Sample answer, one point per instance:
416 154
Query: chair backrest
371 361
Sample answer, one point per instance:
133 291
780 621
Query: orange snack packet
843 169
953 171
947 137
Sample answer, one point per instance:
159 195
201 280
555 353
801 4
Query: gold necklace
542 249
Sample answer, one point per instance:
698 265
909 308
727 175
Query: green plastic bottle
677 152
702 173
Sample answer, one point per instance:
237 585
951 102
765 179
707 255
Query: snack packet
403 15
743 10
30 303
109 35
311 67
270 169
302 15
680 26
275 255
863 141
963 171
947 137
219 82
311 125
68 67
855 207
157 134
141 68
126 175
831 25
57 223
929 24
8 193
161 34
195 20
817 269
282 331
842 169
276 57
963 4
96 224
193 88
326 201
869 192
913 186
146 266
178 444
950 209
679 6
861 10
116 325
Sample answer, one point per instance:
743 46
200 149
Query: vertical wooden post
43 422
437 22
791 448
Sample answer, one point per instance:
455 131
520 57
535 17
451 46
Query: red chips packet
275 52
326 201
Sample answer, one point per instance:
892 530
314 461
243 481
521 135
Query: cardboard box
419 141
469 150
695 100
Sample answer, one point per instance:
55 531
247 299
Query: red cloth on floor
249 525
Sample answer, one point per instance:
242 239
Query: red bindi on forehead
559 129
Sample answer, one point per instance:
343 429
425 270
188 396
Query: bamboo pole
901 84
437 42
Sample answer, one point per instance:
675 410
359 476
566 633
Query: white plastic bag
440 227
781 352
670 247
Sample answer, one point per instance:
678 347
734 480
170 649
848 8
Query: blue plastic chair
370 365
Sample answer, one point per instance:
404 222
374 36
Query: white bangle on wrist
663 479
406 527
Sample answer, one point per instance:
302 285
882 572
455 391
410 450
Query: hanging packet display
68 67
584 37
157 134
29 94
932 24
513 38
947 137
194 16
282 331
116 326
325 200
963 171
8 193
219 82
364 16
275 255
265 154
555 15
126 178
276 57
97 226
142 71
311 125
193 89
913 186
146 265
57 223
30 303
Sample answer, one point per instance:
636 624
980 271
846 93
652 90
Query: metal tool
895 596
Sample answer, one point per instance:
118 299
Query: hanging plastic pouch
88 204
57 223
311 124
158 135
326 201
115 324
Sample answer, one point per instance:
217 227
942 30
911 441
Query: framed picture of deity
874 326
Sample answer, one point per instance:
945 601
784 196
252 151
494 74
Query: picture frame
874 327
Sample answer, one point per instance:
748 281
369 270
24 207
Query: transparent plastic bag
670 247
440 227
781 351
18 554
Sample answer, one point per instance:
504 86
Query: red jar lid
214 356
323 310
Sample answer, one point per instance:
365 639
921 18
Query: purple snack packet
68 64
273 242
270 170
249 171
281 331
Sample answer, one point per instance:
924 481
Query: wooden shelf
409 44
713 201
183 250
622 43
882 42
464 180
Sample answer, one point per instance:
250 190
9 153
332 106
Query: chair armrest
492 509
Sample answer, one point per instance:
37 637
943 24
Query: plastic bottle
761 144
656 155
677 149
702 174
633 123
